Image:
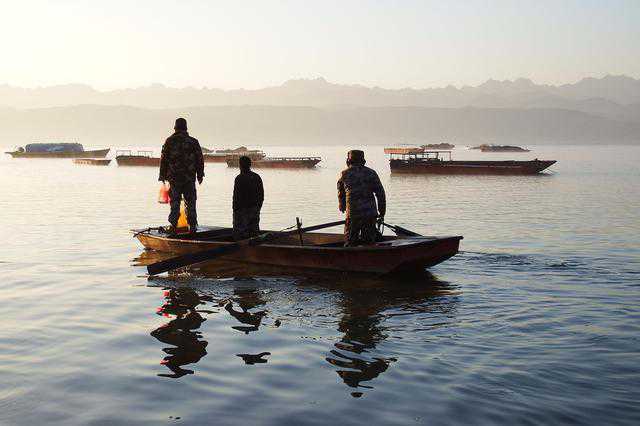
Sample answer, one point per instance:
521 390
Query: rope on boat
157 228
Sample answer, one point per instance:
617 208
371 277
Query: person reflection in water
364 312
362 332
247 299
180 332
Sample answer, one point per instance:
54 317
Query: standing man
248 196
181 164
357 187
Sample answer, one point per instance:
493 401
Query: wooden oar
201 256
402 232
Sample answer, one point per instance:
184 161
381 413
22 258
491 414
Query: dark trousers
177 191
360 231
246 222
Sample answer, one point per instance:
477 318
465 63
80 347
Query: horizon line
313 79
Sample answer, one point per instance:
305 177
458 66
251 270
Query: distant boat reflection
366 310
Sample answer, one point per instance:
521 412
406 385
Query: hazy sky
252 44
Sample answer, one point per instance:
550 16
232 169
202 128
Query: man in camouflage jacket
181 164
358 189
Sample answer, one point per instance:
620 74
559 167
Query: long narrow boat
432 162
218 157
77 152
320 250
499 148
404 150
279 162
438 146
142 158
92 161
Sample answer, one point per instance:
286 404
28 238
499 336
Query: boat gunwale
422 241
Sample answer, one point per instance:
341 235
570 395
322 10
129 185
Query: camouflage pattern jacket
357 187
181 159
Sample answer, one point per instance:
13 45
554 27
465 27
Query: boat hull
92 161
470 167
137 160
394 255
278 164
217 158
98 153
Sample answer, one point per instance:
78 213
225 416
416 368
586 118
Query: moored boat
404 150
499 148
142 158
432 162
320 250
92 161
57 150
437 146
279 162
418 149
220 157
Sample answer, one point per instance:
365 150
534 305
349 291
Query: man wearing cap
359 188
181 164
248 196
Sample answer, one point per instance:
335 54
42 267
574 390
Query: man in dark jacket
357 187
181 164
248 196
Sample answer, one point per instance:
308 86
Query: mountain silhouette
313 111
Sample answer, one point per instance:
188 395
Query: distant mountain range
288 125
604 110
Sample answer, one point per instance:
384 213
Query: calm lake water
536 322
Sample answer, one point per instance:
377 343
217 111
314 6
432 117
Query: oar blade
189 259
402 232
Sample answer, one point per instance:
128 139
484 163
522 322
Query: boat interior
317 239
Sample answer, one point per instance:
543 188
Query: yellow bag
182 220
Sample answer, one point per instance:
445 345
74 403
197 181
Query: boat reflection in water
366 309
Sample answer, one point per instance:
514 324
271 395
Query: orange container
163 194
182 220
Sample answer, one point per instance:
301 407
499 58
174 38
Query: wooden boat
320 250
241 150
218 157
404 150
92 161
142 158
432 162
57 150
499 148
279 162
438 146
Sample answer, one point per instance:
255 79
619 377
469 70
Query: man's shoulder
370 171
345 172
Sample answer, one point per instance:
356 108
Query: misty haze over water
299 112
